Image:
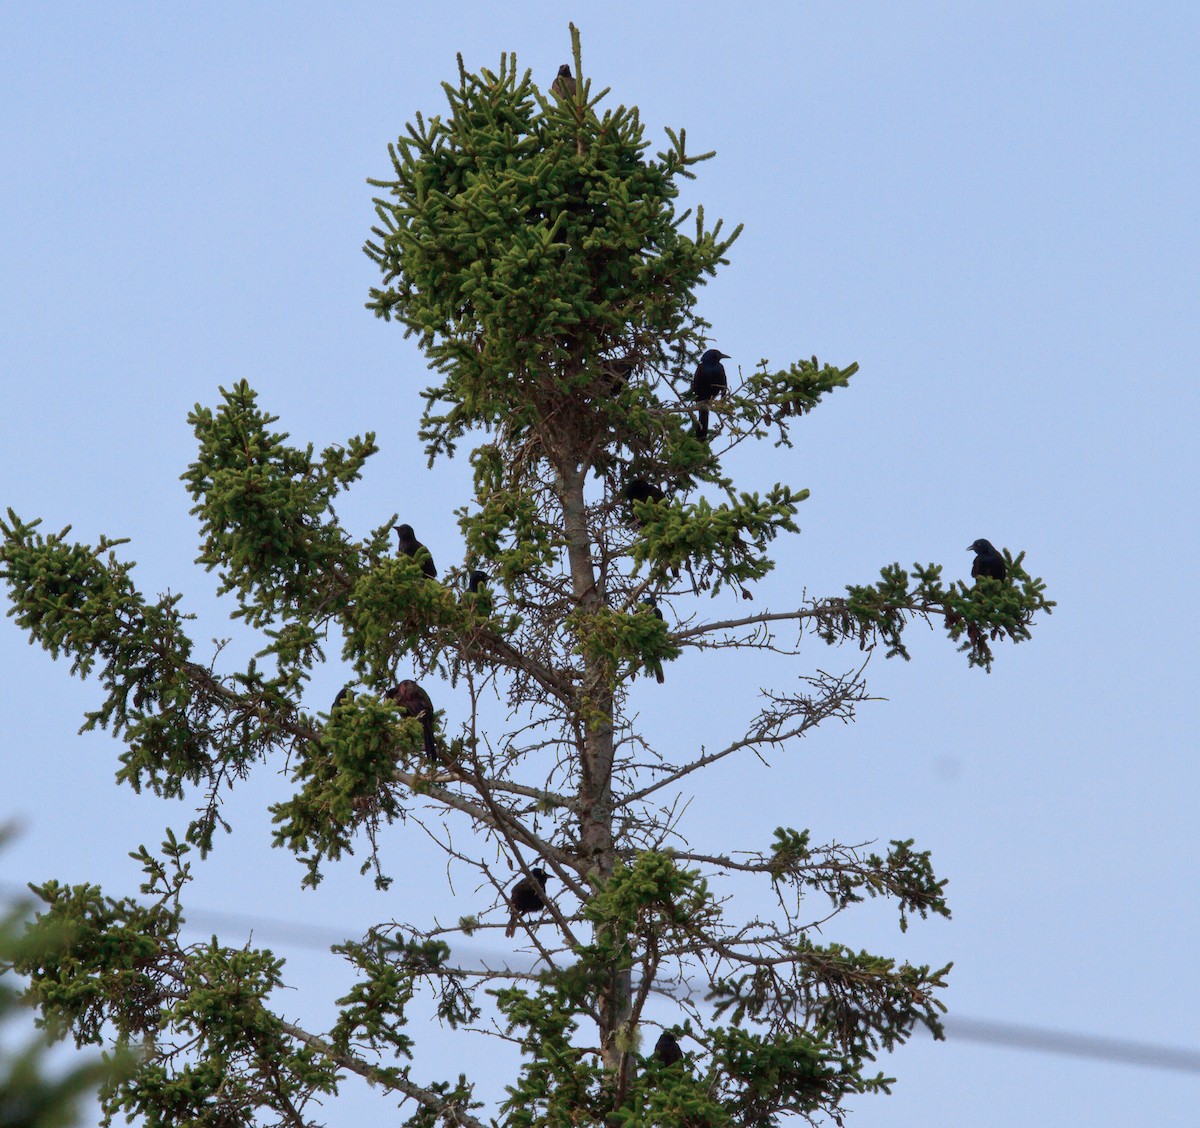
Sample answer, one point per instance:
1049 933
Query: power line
1038 1039
1008 1035
1034 1039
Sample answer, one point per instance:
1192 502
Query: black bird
476 579
564 82
652 603
413 701
614 375
342 694
638 489
667 1050
410 546
527 896
988 562
709 382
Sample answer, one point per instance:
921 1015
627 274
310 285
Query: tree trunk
595 777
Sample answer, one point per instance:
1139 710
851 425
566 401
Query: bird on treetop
410 546
988 562
477 578
413 701
527 896
564 82
708 383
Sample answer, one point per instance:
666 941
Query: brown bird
413 701
667 1050
410 546
527 896
564 82
987 562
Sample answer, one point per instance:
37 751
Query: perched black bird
564 82
988 562
410 546
413 701
476 579
342 694
709 382
667 1050
614 375
652 603
638 489
527 896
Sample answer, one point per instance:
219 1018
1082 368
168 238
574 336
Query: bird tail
658 676
700 430
511 930
427 729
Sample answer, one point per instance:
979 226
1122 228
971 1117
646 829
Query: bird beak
725 356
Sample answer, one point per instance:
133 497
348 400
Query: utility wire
1009 1035
1034 1039
1038 1039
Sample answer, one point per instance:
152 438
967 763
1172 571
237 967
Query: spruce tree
532 245
33 1093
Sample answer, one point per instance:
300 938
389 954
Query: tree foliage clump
532 245
33 1094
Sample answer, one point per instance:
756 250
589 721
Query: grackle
564 82
667 1050
476 579
638 489
413 701
708 383
527 896
614 375
410 546
988 562
652 604
342 694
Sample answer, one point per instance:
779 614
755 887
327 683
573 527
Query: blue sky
992 208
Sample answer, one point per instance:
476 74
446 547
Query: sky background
991 208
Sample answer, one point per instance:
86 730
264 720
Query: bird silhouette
413 701
614 375
527 896
342 695
564 82
667 1050
987 562
475 580
708 383
638 489
410 546
652 604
